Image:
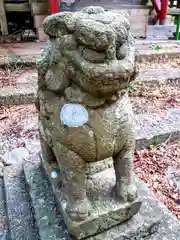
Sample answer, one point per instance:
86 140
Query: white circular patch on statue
74 115
54 174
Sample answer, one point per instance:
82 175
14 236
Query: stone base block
106 211
153 221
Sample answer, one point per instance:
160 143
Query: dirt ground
19 121
159 167
157 87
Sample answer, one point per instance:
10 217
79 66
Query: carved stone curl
84 111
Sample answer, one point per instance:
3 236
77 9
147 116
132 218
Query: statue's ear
59 24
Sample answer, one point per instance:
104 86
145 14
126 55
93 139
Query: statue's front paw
127 192
78 211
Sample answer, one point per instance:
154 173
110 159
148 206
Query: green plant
132 87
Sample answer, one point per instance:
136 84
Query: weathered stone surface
158 128
173 174
33 146
1 166
99 166
85 114
154 221
93 56
10 95
160 55
49 222
20 216
3 217
106 211
68 5
159 32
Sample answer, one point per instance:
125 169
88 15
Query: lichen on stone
88 63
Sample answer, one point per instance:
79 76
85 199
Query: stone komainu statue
84 111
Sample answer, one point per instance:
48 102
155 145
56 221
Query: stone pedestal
106 210
153 222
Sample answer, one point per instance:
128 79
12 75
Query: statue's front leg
73 171
125 186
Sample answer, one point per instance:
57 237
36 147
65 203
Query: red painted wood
53 6
161 11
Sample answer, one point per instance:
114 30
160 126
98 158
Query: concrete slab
160 32
3 218
49 222
20 215
154 221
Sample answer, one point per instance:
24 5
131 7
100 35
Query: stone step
49 222
154 128
154 83
20 215
158 74
16 96
3 217
152 222
160 31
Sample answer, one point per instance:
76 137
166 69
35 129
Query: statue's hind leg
73 170
125 187
47 152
